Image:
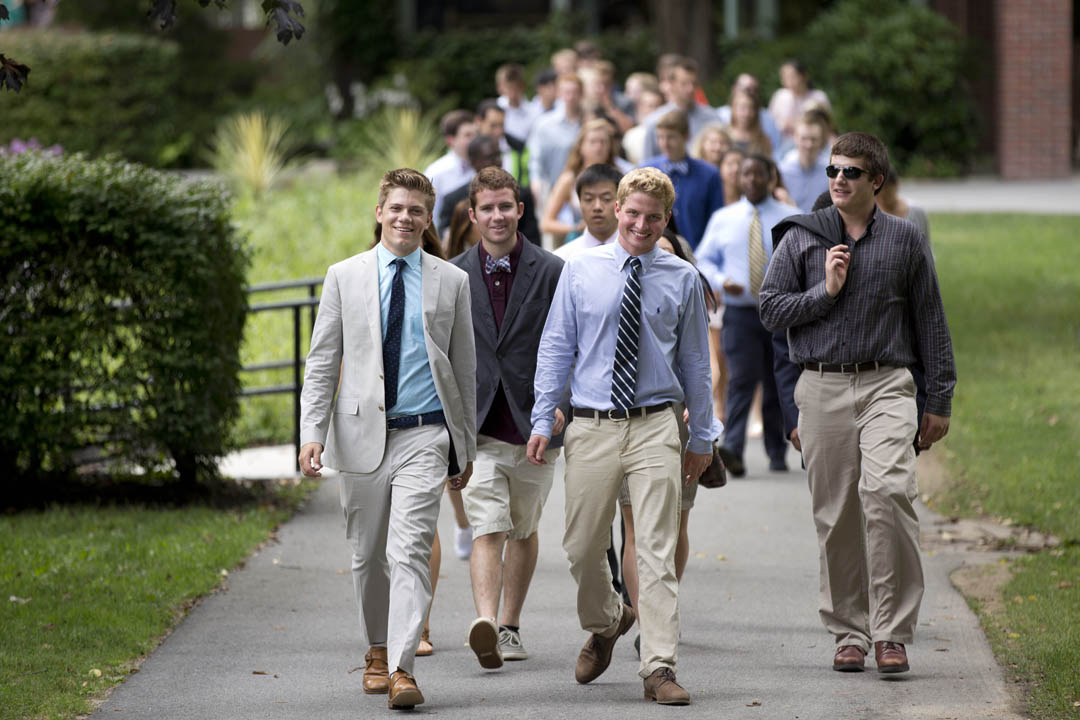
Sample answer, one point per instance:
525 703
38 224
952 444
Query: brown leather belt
620 414
846 368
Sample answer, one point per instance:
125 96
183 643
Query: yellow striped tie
757 255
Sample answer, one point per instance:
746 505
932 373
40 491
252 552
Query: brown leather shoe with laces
376 672
404 695
891 657
596 655
849 658
661 688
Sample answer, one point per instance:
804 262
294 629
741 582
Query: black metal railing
297 306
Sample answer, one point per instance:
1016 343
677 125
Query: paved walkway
992 194
283 640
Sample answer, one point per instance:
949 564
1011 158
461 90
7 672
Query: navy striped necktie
624 372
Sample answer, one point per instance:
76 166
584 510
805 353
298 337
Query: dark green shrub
121 318
456 68
95 93
897 70
891 68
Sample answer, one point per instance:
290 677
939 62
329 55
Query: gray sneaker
510 645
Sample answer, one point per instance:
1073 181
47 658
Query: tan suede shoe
596 655
661 688
376 672
404 695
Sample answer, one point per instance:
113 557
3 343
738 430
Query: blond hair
648 181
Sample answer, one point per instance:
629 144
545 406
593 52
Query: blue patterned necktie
492 265
624 372
391 349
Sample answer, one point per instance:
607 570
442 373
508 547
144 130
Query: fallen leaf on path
941 649
278 627
721 557
259 672
753 704
702 556
350 672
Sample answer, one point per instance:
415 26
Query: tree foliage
283 15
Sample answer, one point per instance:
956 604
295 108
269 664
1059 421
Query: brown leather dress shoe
376 672
596 655
891 657
661 688
849 658
404 695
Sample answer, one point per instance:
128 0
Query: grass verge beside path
1011 285
89 591
295 232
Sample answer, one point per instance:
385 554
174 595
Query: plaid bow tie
501 265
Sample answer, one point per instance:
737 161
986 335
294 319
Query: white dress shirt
447 174
724 252
583 242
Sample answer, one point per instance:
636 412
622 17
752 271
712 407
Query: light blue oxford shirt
416 387
724 251
804 184
550 140
583 322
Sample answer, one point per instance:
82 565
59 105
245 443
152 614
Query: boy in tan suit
395 327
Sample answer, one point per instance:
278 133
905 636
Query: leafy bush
891 68
903 80
74 97
457 67
122 312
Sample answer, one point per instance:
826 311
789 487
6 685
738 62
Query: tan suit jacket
347 341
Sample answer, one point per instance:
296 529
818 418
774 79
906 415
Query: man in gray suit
395 328
512 283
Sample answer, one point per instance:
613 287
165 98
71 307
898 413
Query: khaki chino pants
390 518
857 432
599 454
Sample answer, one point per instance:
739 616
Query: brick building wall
1034 58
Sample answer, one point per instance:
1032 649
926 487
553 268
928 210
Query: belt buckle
618 419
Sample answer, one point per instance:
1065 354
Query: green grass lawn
89 591
295 232
1011 285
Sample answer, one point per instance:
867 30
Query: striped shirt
889 309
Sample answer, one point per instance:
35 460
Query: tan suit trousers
599 454
390 518
857 432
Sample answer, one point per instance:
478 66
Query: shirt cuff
699 446
938 406
821 296
543 427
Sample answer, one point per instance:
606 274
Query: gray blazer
346 344
508 355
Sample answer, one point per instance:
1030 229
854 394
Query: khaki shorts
506 492
689 492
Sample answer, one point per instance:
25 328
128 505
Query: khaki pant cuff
649 668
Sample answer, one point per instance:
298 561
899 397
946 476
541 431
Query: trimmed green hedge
96 94
121 317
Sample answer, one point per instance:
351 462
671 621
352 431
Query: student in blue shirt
698 189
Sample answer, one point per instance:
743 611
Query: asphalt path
282 639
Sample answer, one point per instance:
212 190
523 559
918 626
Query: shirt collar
514 254
590 240
621 256
386 257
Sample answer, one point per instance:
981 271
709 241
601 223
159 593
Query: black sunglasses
851 172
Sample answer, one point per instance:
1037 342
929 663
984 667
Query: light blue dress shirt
673 350
804 184
416 387
724 252
550 141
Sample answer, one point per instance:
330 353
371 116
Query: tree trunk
685 27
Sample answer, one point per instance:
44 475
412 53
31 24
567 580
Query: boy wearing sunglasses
857 291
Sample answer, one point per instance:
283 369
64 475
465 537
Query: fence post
296 383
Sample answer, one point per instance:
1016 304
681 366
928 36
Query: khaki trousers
646 451
857 432
390 518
